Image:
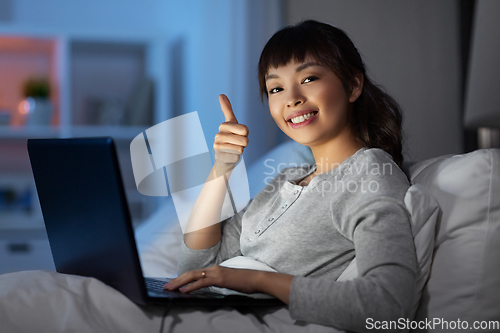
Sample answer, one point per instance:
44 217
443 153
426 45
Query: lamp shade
482 102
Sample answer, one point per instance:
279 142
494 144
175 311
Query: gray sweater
313 232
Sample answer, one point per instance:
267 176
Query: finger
188 281
228 138
228 149
225 105
201 283
205 278
181 280
238 129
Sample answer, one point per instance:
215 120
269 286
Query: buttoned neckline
289 195
292 184
290 192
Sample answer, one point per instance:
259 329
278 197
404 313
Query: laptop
89 227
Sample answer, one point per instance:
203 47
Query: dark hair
376 119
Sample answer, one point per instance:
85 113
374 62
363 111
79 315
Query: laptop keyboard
157 286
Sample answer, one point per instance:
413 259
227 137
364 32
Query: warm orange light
24 107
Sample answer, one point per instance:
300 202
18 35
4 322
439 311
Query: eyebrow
298 69
307 64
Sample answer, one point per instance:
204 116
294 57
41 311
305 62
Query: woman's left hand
243 280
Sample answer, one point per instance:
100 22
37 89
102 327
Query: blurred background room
117 67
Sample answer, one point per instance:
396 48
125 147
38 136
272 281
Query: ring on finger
203 274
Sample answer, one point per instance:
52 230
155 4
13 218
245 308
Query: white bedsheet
40 301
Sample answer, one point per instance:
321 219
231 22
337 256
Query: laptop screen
85 211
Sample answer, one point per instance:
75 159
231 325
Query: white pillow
424 211
464 282
242 262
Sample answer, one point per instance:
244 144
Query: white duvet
40 301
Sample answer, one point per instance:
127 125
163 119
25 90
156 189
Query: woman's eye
275 90
310 79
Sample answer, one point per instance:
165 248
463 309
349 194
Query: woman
309 223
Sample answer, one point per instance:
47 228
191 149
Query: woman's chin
302 141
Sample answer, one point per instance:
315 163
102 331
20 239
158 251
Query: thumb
225 105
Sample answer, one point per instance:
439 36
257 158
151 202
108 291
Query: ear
357 87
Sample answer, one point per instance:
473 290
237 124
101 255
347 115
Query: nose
291 103
294 98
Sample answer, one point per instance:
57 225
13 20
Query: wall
125 17
411 48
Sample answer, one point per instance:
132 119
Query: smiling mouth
302 118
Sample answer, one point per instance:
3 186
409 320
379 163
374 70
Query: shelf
107 79
19 206
94 83
116 132
109 84
102 85
23 58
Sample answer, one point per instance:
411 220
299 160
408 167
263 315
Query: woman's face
308 102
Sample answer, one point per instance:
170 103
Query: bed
455 207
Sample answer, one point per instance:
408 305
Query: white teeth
302 118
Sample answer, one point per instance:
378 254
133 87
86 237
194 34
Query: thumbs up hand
227 109
231 140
